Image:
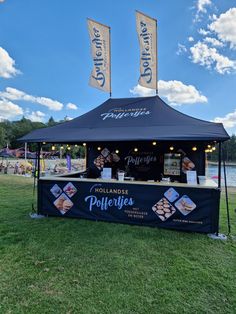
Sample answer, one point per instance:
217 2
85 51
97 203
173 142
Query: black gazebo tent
131 119
128 120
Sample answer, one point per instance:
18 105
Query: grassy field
59 265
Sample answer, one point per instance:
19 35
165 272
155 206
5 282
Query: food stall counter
208 183
169 205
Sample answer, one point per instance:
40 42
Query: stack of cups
121 175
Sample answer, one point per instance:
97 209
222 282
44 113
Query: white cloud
203 32
15 94
2 0
181 49
225 27
175 92
209 57
212 17
139 90
213 41
229 120
190 39
71 106
201 5
35 116
9 110
68 118
7 65
201 9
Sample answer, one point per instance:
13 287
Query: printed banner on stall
161 206
100 49
147 35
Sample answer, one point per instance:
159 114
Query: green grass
59 265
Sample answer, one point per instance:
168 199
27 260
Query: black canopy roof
130 119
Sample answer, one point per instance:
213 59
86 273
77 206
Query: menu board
172 164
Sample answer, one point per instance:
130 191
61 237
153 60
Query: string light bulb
68 147
154 143
194 148
209 146
207 150
62 147
44 143
53 147
136 149
213 148
171 147
99 148
84 144
76 145
117 151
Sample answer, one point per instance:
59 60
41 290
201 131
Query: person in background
16 169
55 168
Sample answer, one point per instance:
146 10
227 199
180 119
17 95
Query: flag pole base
217 236
36 216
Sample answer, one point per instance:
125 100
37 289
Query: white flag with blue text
100 48
147 35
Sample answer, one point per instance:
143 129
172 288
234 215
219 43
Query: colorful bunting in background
101 55
147 34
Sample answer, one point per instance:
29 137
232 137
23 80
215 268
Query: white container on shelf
202 180
121 175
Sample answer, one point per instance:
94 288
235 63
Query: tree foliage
228 151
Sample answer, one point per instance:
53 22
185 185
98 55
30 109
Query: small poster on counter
172 164
191 177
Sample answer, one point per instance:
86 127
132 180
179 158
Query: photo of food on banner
104 159
187 164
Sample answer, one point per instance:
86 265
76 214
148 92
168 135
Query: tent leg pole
219 173
38 175
226 196
219 166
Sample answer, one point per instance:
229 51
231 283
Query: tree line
228 151
11 131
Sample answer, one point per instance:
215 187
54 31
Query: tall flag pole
101 54
156 60
110 58
147 34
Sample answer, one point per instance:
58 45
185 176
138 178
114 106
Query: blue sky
45 60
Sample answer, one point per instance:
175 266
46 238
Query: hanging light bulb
209 146
99 148
207 150
194 148
154 143
68 147
62 147
213 148
44 143
117 151
171 148
53 147
84 144
76 145
136 149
